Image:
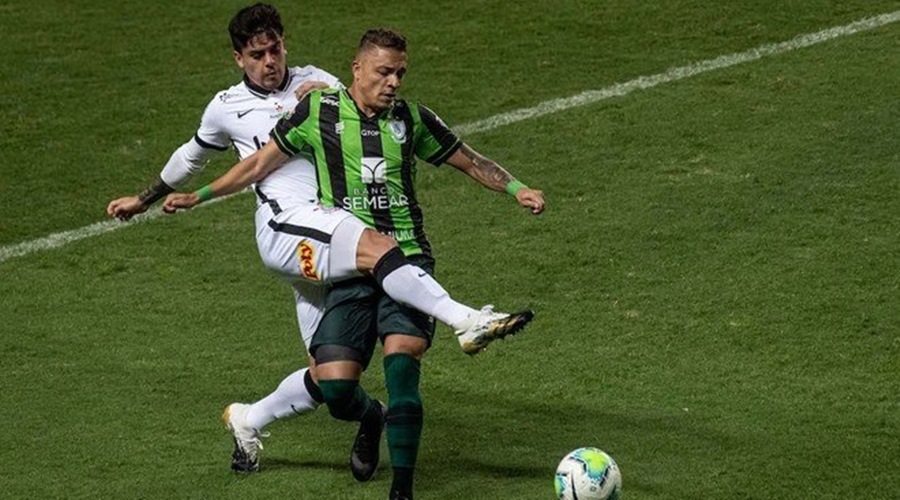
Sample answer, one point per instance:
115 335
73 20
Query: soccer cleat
367 445
489 326
247 444
396 495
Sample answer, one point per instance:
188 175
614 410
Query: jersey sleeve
290 132
434 142
212 133
187 161
190 159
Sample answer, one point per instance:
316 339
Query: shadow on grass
507 440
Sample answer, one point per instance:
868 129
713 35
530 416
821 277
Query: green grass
715 277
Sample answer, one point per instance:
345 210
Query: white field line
675 74
547 107
57 240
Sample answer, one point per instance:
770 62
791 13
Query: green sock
345 398
404 415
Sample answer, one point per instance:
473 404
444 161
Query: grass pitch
716 278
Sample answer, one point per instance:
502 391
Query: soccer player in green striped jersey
367 165
364 142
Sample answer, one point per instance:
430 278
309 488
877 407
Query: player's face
262 59
377 74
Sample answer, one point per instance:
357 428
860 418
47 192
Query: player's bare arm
492 176
128 206
251 169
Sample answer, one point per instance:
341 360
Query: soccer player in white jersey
242 116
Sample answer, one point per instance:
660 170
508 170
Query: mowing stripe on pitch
547 107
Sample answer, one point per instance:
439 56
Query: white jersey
243 115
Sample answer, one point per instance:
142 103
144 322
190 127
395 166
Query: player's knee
340 396
372 247
405 344
380 243
313 372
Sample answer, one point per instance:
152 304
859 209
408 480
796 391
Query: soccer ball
588 474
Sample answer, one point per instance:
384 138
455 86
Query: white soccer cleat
247 444
488 326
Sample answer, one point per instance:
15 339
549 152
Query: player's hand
532 199
307 87
126 207
180 201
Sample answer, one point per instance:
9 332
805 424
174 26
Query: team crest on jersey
279 111
306 254
398 130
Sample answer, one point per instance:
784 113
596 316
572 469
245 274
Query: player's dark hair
385 38
257 19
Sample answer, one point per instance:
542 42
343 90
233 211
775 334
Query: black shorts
358 313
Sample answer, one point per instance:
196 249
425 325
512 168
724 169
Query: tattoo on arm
156 191
486 170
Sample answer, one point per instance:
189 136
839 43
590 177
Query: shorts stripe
301 231
276 208
207 145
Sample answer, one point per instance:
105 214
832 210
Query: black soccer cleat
367 445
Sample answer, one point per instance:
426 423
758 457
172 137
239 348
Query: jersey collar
263 93
362 115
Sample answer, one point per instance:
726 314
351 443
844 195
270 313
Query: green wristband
514 186
204 193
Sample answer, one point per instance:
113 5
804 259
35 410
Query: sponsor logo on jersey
376 195
372 170
398 130
369 133
330 100
241 114
339 128
307 256
376 198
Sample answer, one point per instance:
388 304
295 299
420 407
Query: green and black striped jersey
368 165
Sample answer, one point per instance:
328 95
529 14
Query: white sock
411 285
289 399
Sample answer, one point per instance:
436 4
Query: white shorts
308 246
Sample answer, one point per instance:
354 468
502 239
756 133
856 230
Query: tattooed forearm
486 170
155 192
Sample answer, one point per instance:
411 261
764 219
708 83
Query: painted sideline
57 240
675 74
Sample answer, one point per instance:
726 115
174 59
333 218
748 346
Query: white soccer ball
588 474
